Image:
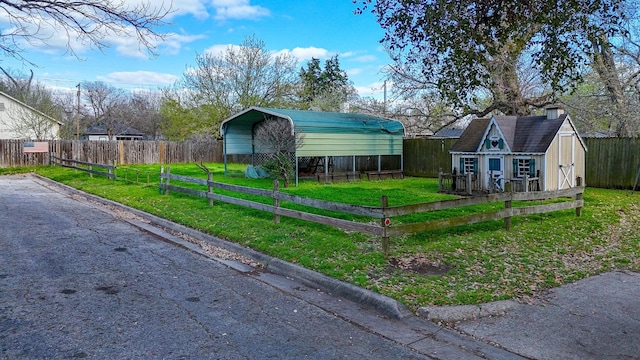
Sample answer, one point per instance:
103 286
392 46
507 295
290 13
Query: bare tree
274 138
83 22
143 113
240 77
68 108
108 106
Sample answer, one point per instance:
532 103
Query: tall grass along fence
383 224
113 152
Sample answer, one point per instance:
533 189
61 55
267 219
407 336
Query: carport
326 136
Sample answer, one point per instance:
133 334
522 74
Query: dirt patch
420 264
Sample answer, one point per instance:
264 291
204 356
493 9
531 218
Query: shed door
495 173
566 173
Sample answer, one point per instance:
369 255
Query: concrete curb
382 304
466 312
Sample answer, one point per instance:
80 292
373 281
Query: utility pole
78 115
384 110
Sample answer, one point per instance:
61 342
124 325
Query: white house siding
11 127
98 137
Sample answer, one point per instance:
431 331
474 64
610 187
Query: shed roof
320 122
531 134
448 133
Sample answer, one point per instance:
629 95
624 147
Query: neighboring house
448 133
101 133
505 150
326 136
21 121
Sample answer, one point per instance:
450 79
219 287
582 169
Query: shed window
495 165
468 165
522 167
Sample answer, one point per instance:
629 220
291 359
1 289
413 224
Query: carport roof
320 122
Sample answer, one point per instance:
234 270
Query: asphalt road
83 279
76 282
80 280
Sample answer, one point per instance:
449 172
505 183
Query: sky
305 28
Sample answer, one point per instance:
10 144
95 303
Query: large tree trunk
507 93
604 64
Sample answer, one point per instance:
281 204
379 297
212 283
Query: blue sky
307 29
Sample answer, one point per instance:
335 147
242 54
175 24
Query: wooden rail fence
382 227
85 166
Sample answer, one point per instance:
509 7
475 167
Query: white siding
18 121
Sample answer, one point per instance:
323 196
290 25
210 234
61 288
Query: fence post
384 204
579 208
507 220
469 188
168 173
276 201
526 183
579 196
210 188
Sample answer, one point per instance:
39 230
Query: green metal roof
320 122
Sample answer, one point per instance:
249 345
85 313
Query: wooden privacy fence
382 227
427 157
85 166
113 152
613 162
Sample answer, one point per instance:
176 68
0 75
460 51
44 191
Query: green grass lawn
463 265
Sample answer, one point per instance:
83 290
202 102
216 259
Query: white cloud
147 78
224 9
176 8
238 9
348 54
43 35
217 50
173 42
376 88
186 7
303 54
130 46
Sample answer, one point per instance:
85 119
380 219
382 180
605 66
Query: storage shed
521 153
329 141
